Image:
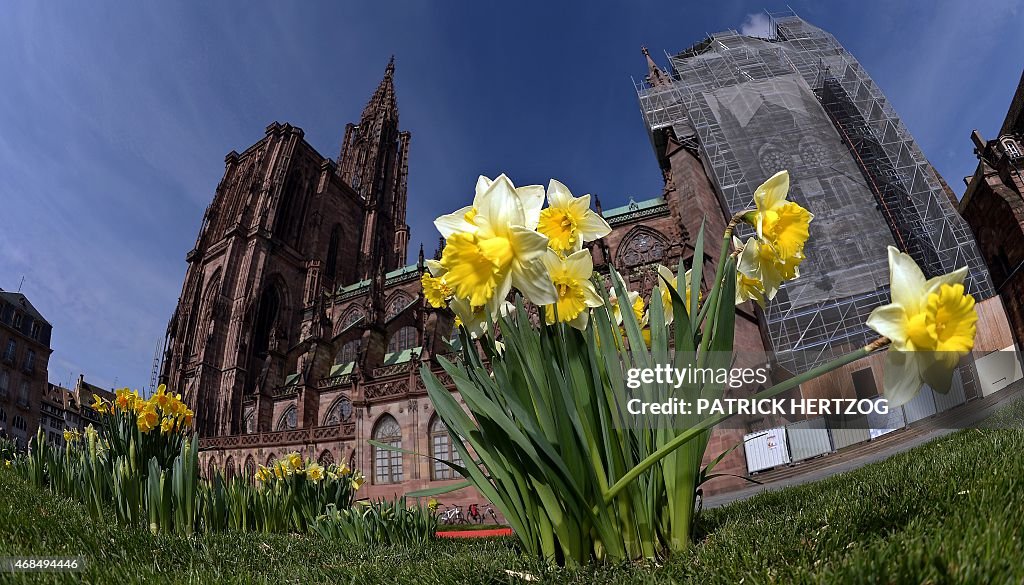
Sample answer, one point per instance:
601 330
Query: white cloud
756 25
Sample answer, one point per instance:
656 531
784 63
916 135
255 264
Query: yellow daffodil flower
759 263
665 274
167 425
636 302
71 435
495 246
435 290
343 469
357 481
932 324
576 294
161 398
294 461
122 399
148 419
785 225
568 221
315 472
98 404
262 474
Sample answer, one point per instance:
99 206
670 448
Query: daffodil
91 434
785 225
262 474
294 461
636 303
474 318
666 275
759 263
568 221
122 399
161 398
98 404
435 290
343 469
356 481
167 425
148 419
576 294
315 472
493 246
931 323
71 435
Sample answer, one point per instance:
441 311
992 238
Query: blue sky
115 119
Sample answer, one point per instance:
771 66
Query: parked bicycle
452 515
479 514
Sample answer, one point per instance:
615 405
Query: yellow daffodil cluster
71 436
504 240
162 411
931 324
774 254
293 465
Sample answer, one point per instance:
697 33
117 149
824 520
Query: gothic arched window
387 464
229 468
271 459
211 470
404 338
289 420
348 353
325 458
441 447
339 412
250 469
249 422
641 246
396 303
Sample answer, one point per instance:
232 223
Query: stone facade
24 355
993 206
301 328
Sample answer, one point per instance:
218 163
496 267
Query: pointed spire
655 76
421 263
383 100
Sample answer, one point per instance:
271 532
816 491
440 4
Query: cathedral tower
374 162
286 227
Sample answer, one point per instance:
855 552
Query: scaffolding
798 100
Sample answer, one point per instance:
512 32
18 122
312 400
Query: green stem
775 390
720 266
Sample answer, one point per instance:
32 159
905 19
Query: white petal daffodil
576 293
666 274
474 319
493 245
568 221
635 302
931 323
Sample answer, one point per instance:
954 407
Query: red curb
476 533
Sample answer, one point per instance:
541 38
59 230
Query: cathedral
301 326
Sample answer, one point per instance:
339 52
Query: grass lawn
951 511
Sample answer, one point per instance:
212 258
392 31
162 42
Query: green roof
404 270
401 357
342 369
291 379
633 206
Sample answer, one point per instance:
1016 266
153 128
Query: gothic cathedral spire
373 161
